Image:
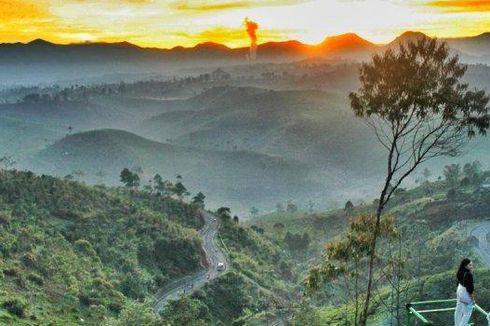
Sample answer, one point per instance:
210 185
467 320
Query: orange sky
167 23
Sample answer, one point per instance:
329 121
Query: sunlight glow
168 23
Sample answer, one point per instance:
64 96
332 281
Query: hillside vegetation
242 177
433 220
70 251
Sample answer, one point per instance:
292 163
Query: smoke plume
252 33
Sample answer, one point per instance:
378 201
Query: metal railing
414 313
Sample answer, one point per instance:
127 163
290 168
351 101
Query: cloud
208 6
16 11
230 36
461 6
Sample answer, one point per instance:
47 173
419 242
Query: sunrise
244 163
165 23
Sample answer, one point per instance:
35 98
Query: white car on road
220 267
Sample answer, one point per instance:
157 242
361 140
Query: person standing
465 300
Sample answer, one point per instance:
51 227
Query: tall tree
130 179
419 109
180 190
452 173
198 199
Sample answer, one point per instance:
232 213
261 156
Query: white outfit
464 307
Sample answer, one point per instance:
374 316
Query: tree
7 161
348 207
306 315
198 199
224 213
472 172
158 183
180 190
418 108
254 211
452 173
346 259
236 219
130 179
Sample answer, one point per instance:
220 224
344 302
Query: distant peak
344 40
211 45
346 36
411 35
484 35
115 44
39 42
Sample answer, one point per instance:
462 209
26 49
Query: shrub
35 278
15 306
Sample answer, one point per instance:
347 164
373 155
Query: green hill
72 253
434 220
21 138
240 178
313 126
69 251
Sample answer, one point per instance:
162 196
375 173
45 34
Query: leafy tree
135 314
348 206
199 198
236 219
7 161
346 259
418 108
472 172
180 190
306 315
158 183
224 213
452 173
130 179
297 242
16 306
257 229
254 211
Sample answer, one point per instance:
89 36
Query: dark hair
462 269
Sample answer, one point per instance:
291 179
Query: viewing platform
416 314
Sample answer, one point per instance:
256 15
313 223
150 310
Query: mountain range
41 61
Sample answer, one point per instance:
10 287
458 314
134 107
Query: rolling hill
240 178
40 61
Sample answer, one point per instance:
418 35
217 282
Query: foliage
297 242
130 179
419 109
75 251
347 260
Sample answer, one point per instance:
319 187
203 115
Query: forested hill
70 252
74 254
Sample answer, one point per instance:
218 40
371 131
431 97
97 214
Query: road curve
191 283
483 248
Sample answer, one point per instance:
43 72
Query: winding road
483 248
190 283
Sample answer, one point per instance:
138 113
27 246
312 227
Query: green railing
414 313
